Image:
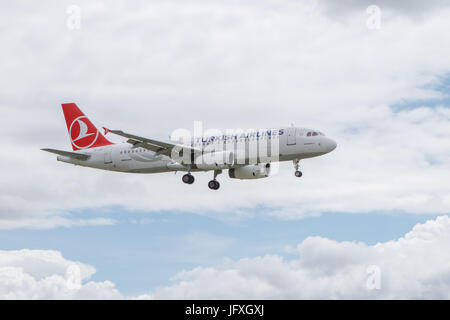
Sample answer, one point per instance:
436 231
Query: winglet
106 130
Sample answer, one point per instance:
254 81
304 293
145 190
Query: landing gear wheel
188 178
298 173
214 185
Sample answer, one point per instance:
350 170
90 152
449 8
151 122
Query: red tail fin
82 133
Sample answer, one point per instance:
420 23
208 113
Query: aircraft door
108 157
291 136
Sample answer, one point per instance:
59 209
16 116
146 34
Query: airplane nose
331 145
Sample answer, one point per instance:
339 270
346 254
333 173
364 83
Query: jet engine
251 171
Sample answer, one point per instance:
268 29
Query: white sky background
151 67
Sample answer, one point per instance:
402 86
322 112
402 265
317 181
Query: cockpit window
314 133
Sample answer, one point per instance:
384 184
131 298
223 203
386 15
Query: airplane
241 152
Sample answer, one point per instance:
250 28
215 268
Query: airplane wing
74 155
158 146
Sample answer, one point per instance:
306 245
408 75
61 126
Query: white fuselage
292 143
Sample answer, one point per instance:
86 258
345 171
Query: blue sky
142 256
442 88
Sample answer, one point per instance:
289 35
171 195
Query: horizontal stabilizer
74 155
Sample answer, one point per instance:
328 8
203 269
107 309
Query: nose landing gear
298 173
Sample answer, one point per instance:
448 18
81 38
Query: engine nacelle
215 160
251 171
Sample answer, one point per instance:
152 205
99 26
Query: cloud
43 274
53 222
415 266
135 66
412 8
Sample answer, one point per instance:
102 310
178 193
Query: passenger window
309 134
314 133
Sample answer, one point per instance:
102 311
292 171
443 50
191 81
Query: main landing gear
188 178
214 184
298 173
